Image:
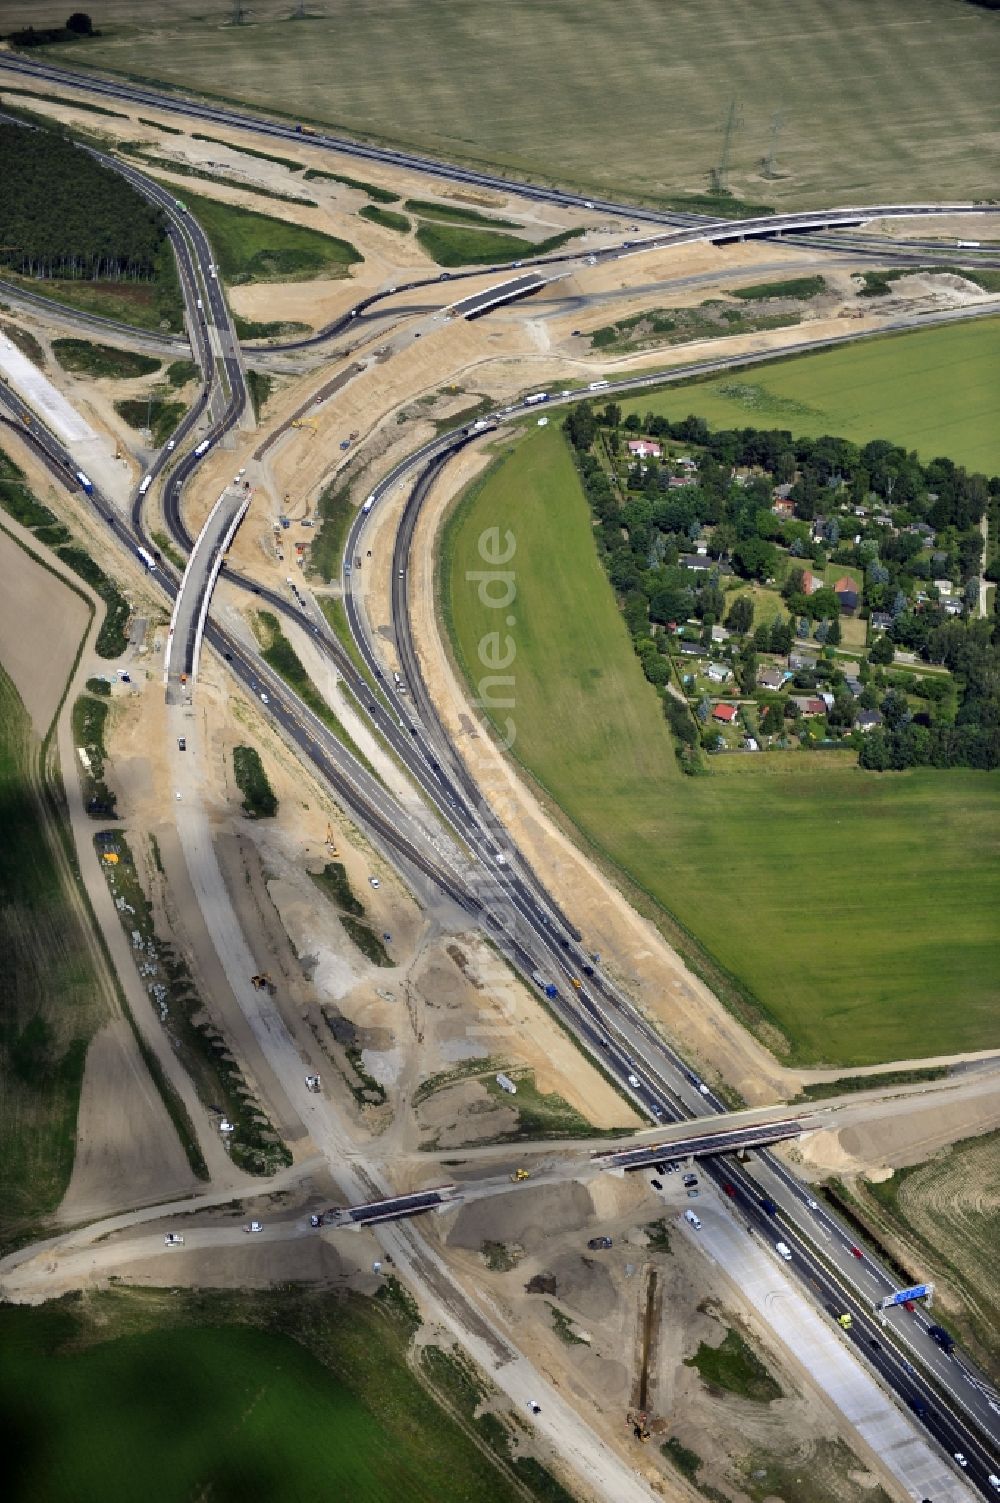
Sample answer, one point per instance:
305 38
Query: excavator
305 423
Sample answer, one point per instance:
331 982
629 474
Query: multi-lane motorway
464 861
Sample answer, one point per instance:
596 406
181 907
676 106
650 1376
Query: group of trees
643 536
78 25
62 214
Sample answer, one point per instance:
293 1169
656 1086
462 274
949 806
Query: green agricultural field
854 913
51 996
933 391
256 248
890 99
217 1395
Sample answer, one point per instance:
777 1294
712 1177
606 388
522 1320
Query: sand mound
608 1378
585 1285
529 1215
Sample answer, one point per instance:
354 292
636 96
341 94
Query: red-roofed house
643 448
810 582
726 713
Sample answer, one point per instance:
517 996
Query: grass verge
734 1367
277 651
259 800
89 719
112 639
80 356
386 218
461 245
157 414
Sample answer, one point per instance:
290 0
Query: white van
784 1251
693 1219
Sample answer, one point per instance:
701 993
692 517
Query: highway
506 896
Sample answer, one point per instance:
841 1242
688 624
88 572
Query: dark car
690 1179
660 1168
769 1206
729 1190
182 744
943 1338
656 1184
599 1244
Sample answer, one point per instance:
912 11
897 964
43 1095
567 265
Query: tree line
63 214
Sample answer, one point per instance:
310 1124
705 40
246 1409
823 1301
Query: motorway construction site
256 950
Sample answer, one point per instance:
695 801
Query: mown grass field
235 1396
859 910
933 391
891 98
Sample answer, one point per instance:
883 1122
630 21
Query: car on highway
730 1190
693 1220
264 699
857 1253
961 1458
633 1081
171 444
812 1205
657 1110
909 1305
995 1482
784 1251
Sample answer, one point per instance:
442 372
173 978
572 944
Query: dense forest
64 215
907 533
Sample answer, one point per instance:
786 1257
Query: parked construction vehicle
262 983
313 1082
305 423
519 1175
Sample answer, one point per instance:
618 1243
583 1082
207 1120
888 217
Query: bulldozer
519 1175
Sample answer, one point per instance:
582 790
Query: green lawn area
470 245
858 912
257 248
102 359
234 1396
888 101
933 391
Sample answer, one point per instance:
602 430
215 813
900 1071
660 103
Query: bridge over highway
187 624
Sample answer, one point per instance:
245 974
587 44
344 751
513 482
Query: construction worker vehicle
519 1175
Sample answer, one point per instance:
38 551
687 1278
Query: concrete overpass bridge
187 624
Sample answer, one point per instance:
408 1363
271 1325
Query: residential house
853 685
644 448
953 607
718 673
847 592
868 719
720 634
771 678
783 507
725 714
699 561
801 660
809 705
881 620
692 649
811 582
943 587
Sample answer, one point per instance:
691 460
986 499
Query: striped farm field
889 99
